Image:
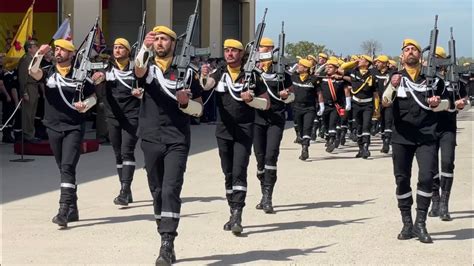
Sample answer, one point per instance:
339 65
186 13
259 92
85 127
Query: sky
342 25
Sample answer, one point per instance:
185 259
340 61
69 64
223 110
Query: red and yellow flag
24 33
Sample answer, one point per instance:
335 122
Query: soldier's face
330 69
411 55
62 55
322 60
120 52
302 69
232 55
163 45
265 49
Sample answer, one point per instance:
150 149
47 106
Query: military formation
153 91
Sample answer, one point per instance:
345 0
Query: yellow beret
354 57
366 57
466 64
332 58
311 57
323 55
349 65
123 42
333 62
382 58
305 62
392 62
165 30
440 52
65 44
407 42
266 42
231 43
298 57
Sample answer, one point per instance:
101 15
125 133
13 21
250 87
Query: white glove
348 104
321 109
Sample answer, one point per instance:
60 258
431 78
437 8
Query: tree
371 47
305 48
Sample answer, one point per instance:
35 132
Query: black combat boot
167 255
343 136
331 144
365 150
304 151
267 199
260 177
443 206
61 218
125 195
419 229
73 213
435 204
236 221
228 224
407 229
360 152
337 140
385 145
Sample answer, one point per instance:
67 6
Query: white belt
368 100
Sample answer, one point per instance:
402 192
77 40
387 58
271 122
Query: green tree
305 48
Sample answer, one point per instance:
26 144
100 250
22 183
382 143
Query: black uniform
65 129
304 105
10 81
165 133
121 110
386 116
363 88
234 133
414 134
446 144
331 118
268 132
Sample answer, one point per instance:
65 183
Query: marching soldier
269 126
446 144
363 94
164 127
414 134
306 96
382 75
336 94
121 110
64 120
235 126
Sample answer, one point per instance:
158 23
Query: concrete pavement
333 209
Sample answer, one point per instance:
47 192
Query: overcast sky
342 25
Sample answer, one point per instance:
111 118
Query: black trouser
304 119
66 148
402 164
266 145
363 117
234 155
7 111
386 121
165 165
330 120
447 144
123 136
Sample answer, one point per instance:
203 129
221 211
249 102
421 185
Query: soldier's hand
149 39
246 96
98 77
434 101
182 96
460 104
44 49
205 69
137 92
80 106
284 94
396 79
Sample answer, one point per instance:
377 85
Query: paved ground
333 209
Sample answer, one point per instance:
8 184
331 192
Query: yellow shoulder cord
369 79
